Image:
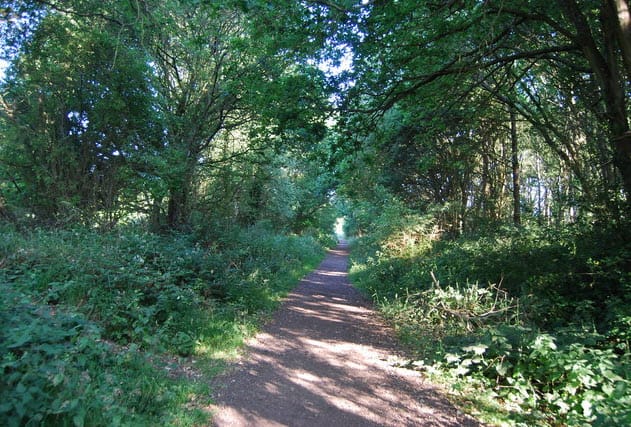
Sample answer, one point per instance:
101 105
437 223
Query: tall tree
203 70
515 168
216 73
601 30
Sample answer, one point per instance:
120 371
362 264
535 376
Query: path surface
326 360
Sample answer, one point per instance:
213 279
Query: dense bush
87 317
535 318
57 370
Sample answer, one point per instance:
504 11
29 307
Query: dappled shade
327 359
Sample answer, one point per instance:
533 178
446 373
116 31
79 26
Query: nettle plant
530 370
56 370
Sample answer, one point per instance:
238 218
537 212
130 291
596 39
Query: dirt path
326 360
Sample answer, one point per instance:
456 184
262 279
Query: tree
215 76
76 114
407 50
199 71
605 42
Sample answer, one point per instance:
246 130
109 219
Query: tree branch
61 9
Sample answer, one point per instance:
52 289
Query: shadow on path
326 360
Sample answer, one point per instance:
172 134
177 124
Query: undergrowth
104 329
530 325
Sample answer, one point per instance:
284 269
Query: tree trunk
621 17
483 201
177 211
515 168
181 196
622 160
610 78
540 212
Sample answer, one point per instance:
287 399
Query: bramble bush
57 370
577 382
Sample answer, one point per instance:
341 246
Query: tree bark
177 211
609 77
181 197
620 11
515 168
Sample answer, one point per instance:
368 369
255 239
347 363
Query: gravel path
326 359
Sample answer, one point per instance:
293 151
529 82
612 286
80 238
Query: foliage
466 77
58 370
89 317
74 122
208 122
547 343
579 382
115 110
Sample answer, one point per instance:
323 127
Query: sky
346 63
3 66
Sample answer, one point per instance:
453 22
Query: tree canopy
119 108
136 107
459 73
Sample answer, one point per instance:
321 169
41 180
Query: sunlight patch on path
327 360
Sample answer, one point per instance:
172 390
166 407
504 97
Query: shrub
88 317
551 343
579 383
56 370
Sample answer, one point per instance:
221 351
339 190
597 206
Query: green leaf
586 404
478 349
79 419
611 376
502 368
452 358
5 407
